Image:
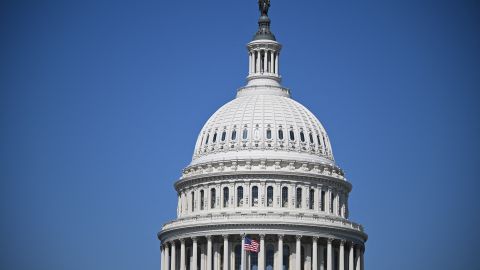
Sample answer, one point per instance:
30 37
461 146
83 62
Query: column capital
243 235
342 242
262 236
330 240
209 237
298 237
225 236
194 239
182 241
280 236
315 238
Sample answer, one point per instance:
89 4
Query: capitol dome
262 191
263 125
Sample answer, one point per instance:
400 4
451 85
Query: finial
264 22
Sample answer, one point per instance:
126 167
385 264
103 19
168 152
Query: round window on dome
245 134
224 135
214 138
206 140
280 134
311 138
234 135
269 134
302 136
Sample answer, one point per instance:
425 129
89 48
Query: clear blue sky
101 102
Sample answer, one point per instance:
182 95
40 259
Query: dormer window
256 133
280 134
302 136
292 135
269 134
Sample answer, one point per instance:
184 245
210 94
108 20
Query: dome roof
263 125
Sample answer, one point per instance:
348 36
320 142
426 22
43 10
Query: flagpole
243 264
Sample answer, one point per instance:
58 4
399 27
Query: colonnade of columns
308 253
263 61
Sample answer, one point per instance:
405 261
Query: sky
101 103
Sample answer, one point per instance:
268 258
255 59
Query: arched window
234 135
206 140
286 257
280 134
292 135
270 256
193 201
270 196
214 137
302 136
311 198
254 196
245 134
224 135
311 137
213 195
225 196
322 201
299 198
318 141
240 196
269 134
202 199
285 197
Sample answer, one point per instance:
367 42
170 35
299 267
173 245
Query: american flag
251 245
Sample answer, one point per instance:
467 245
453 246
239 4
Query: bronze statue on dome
263 6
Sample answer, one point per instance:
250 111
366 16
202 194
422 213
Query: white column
341 257
276 62
243 261
225 252
209 252
280 252
167 257
173 258
194 253
182 254
251 61
258 62
298 253
314 253
261 255
162 257
350 257
329 254
265 61
202 257
358 262
321 260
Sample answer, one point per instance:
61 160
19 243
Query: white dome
252 126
